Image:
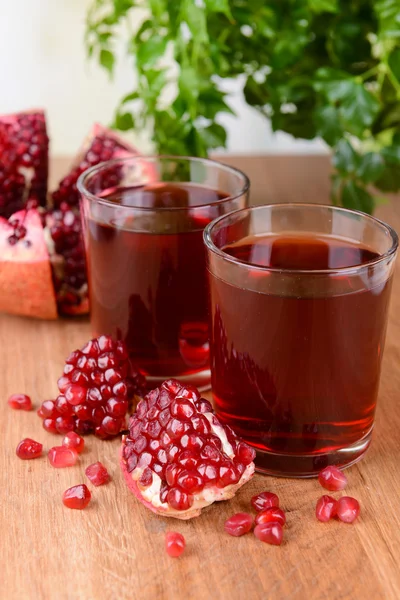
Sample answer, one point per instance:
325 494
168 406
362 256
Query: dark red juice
293 373
147 276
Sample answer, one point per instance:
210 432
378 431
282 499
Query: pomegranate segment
20 402
61 457
178 457
77 497
97 474
326 509
270 533
74 441
332 479
174 544
272 514
238 524
348 509
97 385
28 448
264 500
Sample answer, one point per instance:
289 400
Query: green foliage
315 68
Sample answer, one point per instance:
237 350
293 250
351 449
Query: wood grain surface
115 548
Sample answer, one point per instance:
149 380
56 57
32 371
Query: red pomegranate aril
64 407
97 473
20 402
270 533
65 424
348 509
326 509
116 407
77 497
74 441
332 479
264 500
75 394
174 544
238 524
179 500
61 457
245 453
190 481
28 448
50 425
48 409
228 475
146 477
271 515
111 426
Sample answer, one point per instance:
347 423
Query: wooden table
115 548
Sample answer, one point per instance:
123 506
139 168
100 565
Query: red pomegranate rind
26 286
77 497
238 524
178 457
20 402
332 479
174 544
28 449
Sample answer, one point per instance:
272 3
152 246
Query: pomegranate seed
48 409
179 500
20 402
270 533
245 453
97 473
174 544
50 425
332 479
348 509
64 424
326 508
61 457
74 441
264 500
28 449
77 497
238 524
272 514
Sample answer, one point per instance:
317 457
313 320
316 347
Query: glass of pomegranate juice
143 225
299 297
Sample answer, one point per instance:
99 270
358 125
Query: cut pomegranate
332 479
178 457
174 544
24 161
348 509
77 497
270 533
264 500
28 449
26 286
238 524
20 402
269 515
61 457
97 474
326 508
96 387
74 441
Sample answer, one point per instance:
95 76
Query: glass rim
89 172
340 270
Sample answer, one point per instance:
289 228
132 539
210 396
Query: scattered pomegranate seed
269 515
348 509
28 449
332 479
61 457
20 402
326 509
270 533
174 544
74 441
238 524
264 500
77 497
97 473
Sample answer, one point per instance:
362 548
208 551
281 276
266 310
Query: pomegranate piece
77 497
264 500
26 286
174 544
326 509
238 524
97 388
97 473
270 533
332 479
74 441
348 509
28 449
269 515
178 457
20 402
61 457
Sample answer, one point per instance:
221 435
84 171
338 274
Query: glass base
309 465
201 380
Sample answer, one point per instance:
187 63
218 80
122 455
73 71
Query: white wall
43 64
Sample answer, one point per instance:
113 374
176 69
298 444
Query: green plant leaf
370 167
356 197
319 6
195 17
359 107
129 97
388 14
150 51
107 60
211 102
328 124
345 158
213 136
394 62
255 94
219 6
189 84
124 121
